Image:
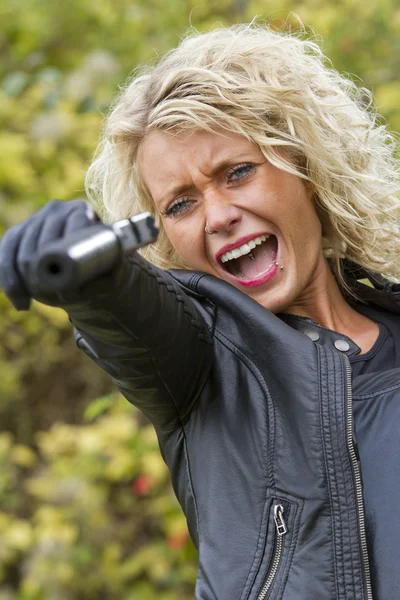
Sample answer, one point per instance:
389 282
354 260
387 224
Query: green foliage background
86 510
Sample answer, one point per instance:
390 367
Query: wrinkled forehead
212 143
169 162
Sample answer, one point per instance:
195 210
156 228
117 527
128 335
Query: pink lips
249 283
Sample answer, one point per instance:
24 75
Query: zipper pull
280 522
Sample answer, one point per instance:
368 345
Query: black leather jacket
254 421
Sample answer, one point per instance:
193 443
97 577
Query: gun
91 252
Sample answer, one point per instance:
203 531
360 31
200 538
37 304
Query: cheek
303 215
187 243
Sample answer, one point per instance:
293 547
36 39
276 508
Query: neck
323 302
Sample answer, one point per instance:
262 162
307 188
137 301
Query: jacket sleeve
148 335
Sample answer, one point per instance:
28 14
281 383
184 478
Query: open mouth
253 259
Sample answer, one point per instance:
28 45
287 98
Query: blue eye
240 172
179 207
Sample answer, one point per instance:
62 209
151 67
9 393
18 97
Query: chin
276 301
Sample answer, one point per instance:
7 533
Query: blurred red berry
142 485
177 541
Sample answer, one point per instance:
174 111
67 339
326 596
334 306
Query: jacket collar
325 337
370 287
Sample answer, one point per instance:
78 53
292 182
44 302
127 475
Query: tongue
264 255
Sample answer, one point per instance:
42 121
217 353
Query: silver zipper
281 529
357 479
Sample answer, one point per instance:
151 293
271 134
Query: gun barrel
91 252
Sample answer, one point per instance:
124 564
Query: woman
275 193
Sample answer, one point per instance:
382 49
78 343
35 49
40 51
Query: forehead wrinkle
214 157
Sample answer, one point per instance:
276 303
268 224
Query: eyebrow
173 193
223 164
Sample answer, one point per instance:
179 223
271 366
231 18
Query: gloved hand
20 245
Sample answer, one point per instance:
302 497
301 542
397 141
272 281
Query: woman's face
265 234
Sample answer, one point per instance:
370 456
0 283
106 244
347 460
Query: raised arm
135 322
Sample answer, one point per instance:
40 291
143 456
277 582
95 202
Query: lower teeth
251 256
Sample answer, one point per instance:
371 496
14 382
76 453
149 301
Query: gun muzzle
91 252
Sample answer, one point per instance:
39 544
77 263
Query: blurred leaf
97 407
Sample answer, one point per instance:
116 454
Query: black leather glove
20 246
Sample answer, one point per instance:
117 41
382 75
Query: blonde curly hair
278 91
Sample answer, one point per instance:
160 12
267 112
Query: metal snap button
312 334
342 345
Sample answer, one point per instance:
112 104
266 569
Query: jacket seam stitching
324 441
196 320
191 488
343 466
378 393
206 300
333 425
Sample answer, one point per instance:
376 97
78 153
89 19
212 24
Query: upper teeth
245 249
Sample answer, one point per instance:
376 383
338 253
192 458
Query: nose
221 214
